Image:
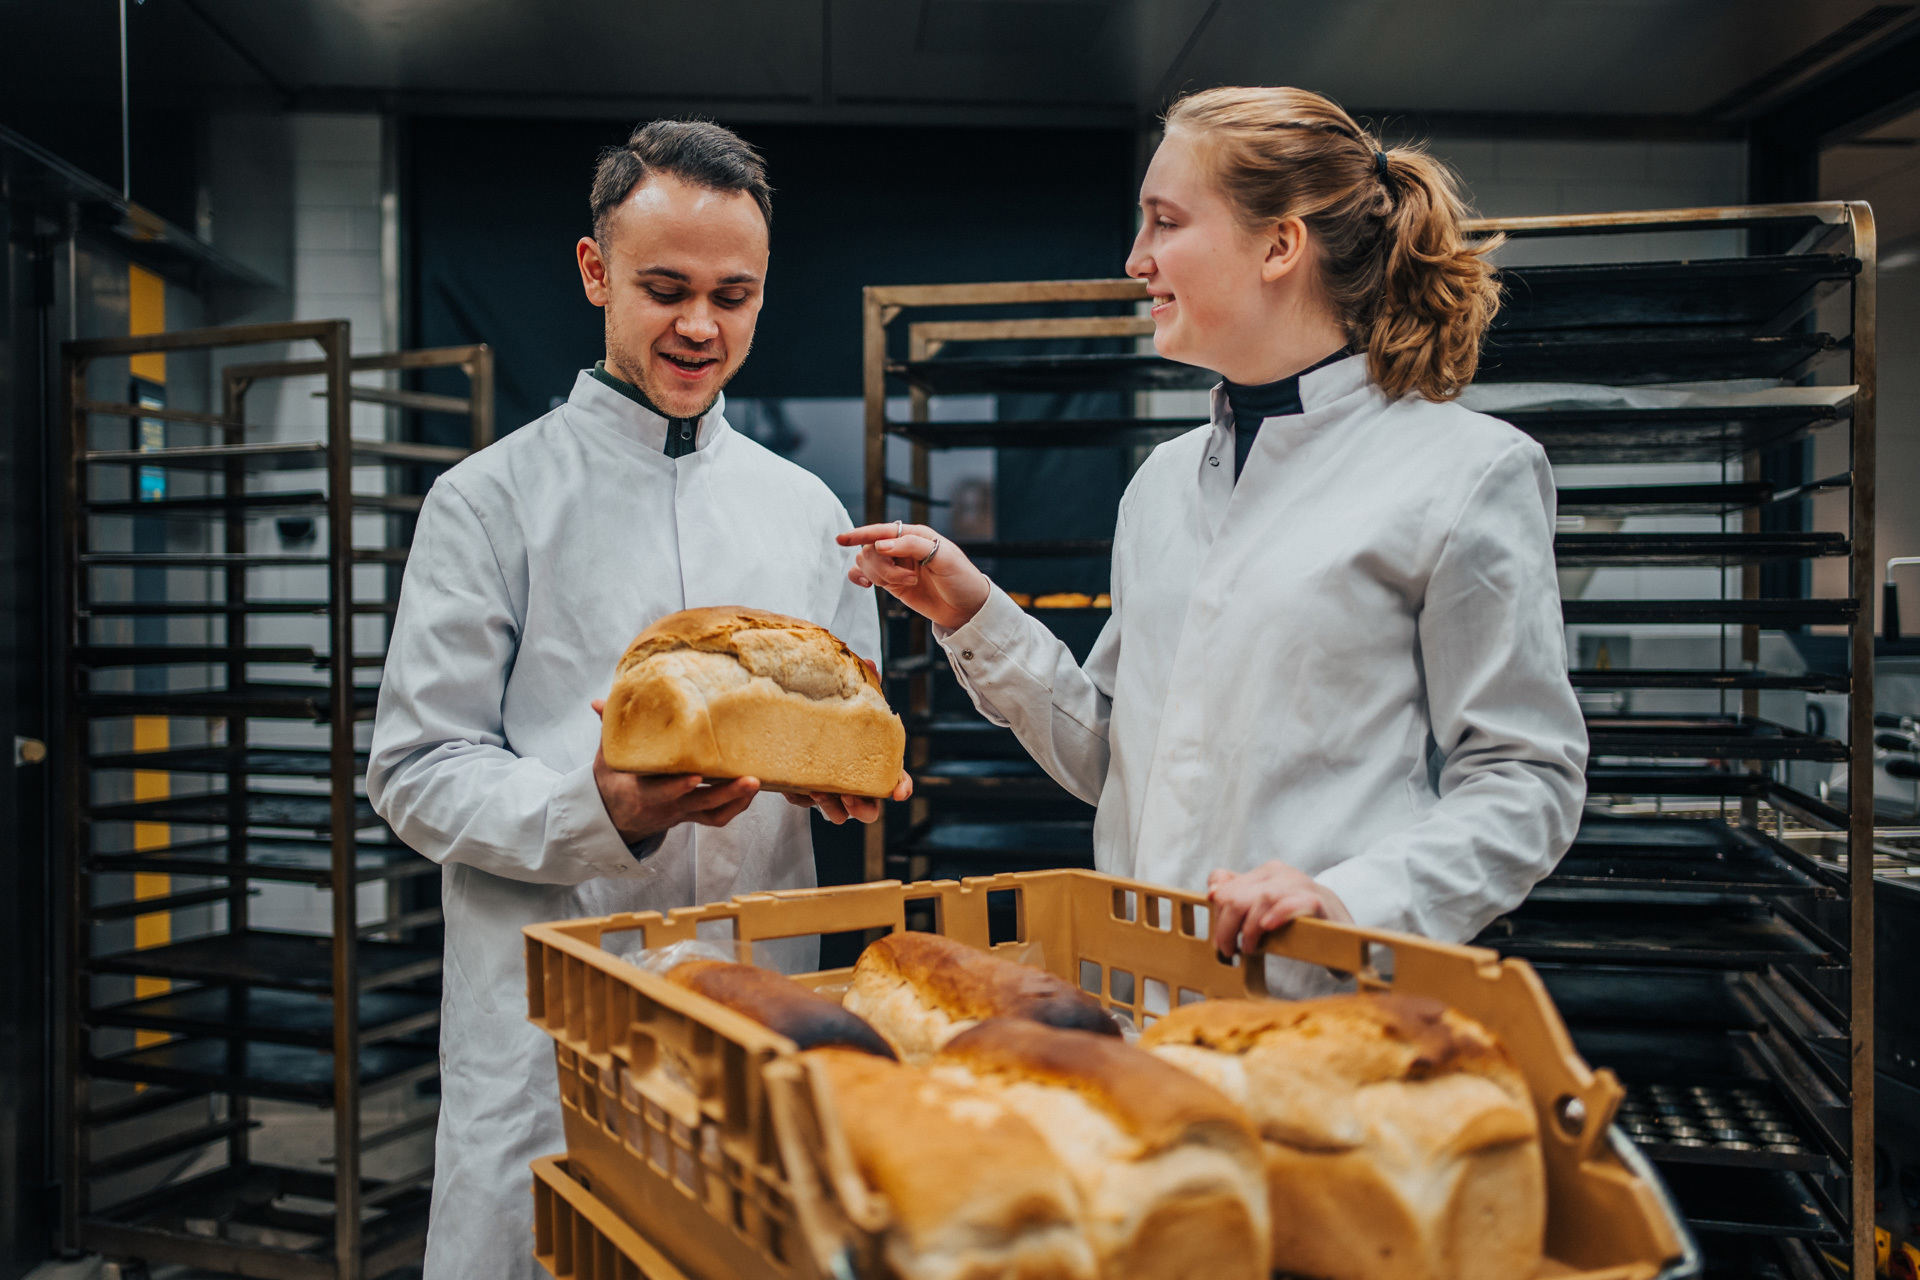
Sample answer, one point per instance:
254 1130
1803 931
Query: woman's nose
1139 261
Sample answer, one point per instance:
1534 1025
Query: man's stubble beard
642 369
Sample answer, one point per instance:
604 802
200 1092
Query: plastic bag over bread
733 692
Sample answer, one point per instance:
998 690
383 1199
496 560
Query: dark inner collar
681 432
1251 405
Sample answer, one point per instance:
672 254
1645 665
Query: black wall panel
496 207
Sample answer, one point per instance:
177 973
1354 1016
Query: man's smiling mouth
691 363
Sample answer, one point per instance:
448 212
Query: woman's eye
1163 224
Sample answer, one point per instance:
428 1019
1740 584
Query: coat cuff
977 646
1373 897
585 835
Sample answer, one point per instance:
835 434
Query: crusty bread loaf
1168 1169
1400 1138
780 1004
972 1192
920 990
735 692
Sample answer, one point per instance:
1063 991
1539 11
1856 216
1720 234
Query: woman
1334 683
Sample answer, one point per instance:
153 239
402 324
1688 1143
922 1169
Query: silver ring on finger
931 554
898 526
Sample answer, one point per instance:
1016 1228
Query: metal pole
126 133
346 924
70 575
874 353
1860 939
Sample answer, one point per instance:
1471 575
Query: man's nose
696 324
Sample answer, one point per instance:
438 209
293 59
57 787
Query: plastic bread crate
575 1237
670 1109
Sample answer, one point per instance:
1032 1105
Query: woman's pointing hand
945 588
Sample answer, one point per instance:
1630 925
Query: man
534 564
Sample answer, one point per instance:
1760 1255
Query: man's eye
729 300
663 297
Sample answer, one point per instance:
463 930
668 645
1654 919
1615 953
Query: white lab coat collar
596 402
1318 389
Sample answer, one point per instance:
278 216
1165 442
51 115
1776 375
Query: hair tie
1380 165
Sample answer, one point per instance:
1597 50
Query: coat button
1213 462
966 655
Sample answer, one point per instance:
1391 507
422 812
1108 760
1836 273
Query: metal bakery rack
227 592
1725 975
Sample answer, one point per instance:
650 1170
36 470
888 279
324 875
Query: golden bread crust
1152 1100
1400 1137
972 1188
920 989
1169 1171
735 692
780 1004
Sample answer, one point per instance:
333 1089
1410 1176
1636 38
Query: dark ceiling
1703 65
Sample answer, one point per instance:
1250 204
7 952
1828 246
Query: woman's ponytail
1412 292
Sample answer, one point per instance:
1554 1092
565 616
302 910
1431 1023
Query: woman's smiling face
1202 267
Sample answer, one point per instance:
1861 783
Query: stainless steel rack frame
236 1013
1744 943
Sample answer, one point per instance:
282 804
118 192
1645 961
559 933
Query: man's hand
645 805
1247 905
837 808
947 589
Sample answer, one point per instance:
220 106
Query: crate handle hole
1090 977
1120 985
1003 917
1158 912
1126 905
1189 996
1156 1001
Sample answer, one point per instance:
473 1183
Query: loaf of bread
920 990
735 692
970 1190
1400 1139
780 1004
1168 1169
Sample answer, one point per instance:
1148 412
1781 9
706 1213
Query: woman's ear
1286 248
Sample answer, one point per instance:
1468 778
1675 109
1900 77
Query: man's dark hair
698 152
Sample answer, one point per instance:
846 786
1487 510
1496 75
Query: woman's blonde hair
1410 289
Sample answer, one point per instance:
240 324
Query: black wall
496 208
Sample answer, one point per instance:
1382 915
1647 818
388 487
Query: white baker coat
534 564
1352 662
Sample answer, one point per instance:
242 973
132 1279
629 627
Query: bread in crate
1167 1168
779 1004
920 990
954 1182
734 692
1399 1136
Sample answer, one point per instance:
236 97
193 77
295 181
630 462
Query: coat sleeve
1504 721
1020 676
440 771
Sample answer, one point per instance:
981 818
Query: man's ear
593 270
1286 248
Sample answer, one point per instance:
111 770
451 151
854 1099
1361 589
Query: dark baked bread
780 1004
919 990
